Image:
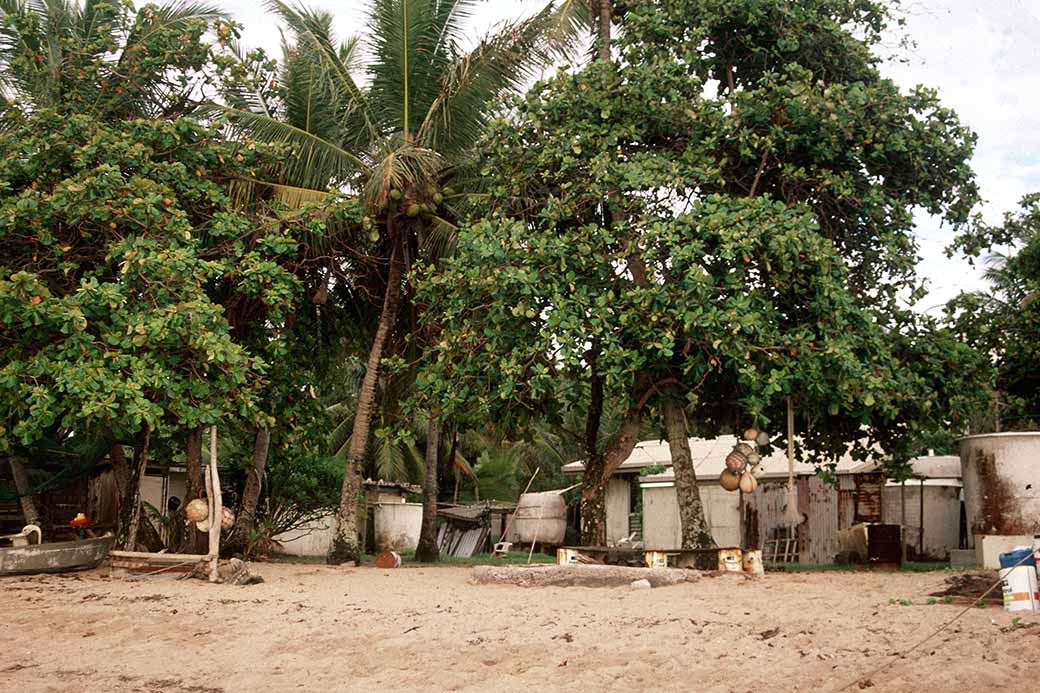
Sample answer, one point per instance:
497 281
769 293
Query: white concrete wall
312 539
942 516
619 502
662 528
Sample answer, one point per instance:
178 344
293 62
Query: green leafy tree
103 58
1004 321
648 233
400 139
132 280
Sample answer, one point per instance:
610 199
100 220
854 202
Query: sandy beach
316 628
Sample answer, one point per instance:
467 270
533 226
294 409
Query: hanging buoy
751 434
754 458
748 483
729 480
762 439
196 510
736 461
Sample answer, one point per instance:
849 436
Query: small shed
861 494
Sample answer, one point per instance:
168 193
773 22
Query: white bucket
1020 588
731 561
753 563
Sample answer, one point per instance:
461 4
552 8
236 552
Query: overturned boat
25 557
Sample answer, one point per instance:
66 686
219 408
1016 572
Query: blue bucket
1013 558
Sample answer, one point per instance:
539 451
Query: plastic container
1019 580
752 563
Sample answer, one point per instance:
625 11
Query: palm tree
103 58
397 131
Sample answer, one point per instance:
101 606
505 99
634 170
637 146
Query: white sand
319 628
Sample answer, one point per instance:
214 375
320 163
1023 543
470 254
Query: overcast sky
982 55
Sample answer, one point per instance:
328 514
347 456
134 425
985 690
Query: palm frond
312 32
316 163
400 165
412 43
502 61
179 14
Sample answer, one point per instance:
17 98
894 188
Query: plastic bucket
753 563
731 561
1019 581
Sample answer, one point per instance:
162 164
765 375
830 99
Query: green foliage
1004 322
131 284
746 240
103 58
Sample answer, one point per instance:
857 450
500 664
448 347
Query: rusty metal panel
820 529
860 498
762 511
846 501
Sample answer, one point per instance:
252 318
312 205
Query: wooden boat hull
55 557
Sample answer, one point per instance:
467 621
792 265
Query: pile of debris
972 586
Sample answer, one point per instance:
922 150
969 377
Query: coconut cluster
744 463
412 203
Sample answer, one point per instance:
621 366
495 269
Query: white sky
982 55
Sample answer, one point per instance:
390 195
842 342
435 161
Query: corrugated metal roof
708 458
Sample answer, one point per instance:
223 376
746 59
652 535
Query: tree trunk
598 471
119 467
427 551
696 533
246 520
21 485
345 545
130 512
193 541
603 29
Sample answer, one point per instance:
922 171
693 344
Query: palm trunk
427 551
130 512
21 485
345 546
193 540
603 29
696 533
246 520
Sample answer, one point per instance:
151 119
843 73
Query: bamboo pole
216 507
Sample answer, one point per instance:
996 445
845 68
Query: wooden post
216 508
920 536
902 516
21 485
792 516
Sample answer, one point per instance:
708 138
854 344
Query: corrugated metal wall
827 509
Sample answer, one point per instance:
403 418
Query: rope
160 570
937 631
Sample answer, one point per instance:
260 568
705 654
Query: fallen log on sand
579 575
